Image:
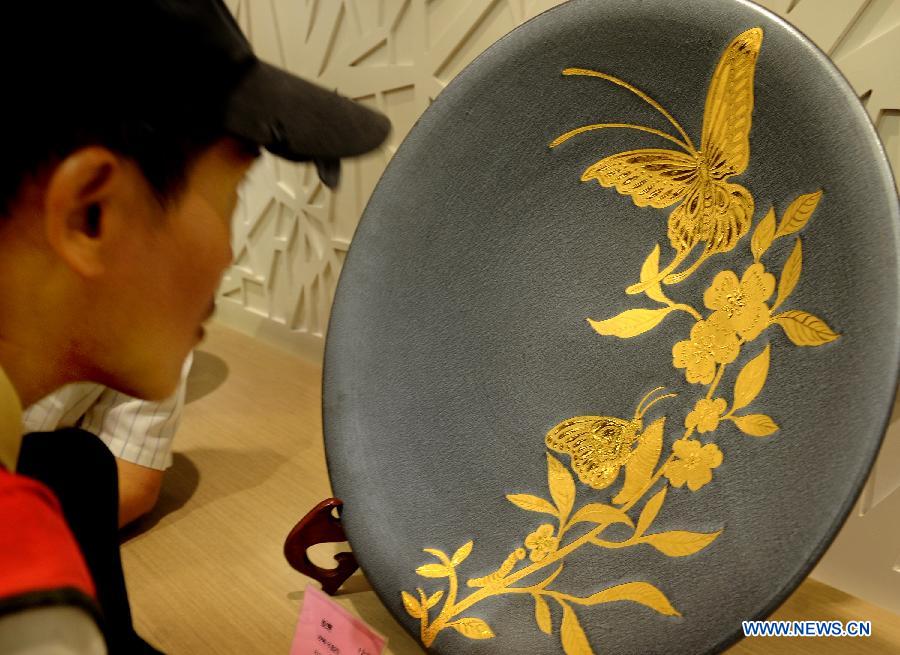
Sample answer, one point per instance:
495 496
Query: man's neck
29 372
34 323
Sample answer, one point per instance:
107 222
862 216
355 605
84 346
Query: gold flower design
712 212
712 342
541 542
705 415
694 463
742 301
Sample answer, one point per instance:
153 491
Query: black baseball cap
171 60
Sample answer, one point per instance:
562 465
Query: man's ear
77 201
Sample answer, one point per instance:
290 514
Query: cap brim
298 120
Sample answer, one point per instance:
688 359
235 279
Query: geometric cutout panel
290 233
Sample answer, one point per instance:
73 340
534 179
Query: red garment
40 562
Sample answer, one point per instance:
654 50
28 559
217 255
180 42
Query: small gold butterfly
711 210
599 445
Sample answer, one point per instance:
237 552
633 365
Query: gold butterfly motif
600 445
711 210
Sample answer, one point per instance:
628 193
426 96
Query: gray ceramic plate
724 227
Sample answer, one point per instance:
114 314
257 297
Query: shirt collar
10 423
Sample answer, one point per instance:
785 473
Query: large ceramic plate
616 341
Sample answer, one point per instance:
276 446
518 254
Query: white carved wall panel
291 234
863 38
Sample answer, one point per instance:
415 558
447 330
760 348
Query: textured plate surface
460 367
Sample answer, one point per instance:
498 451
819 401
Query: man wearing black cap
127 127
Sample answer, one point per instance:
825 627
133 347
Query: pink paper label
326 628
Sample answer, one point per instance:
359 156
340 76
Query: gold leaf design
642 462
483 581
532 503
650 275
413 608
763 235
678 543
630 323
461 554
517 555
651 509
708 211
434 599
574 641
562 486
433 571
600 514
756 425
804 329
790 275
441 555
542 614
798 213
550 578
751 380
472 628
643 593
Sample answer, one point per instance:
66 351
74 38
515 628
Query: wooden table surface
205 570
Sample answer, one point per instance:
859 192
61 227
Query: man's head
131 126
126 279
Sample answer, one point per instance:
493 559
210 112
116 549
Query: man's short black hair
69 83
163 152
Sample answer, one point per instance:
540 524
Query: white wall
291 234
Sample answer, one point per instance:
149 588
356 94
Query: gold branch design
733 313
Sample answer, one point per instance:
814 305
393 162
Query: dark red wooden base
319 526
